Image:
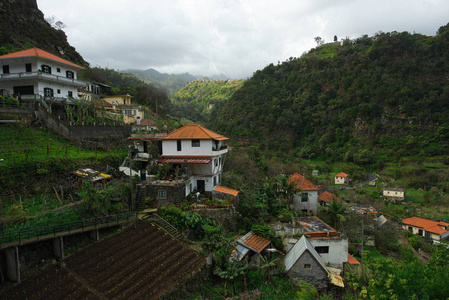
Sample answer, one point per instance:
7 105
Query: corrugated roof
253 242
298 250
427 225
225 190
341 174
301 183
194 131
39 53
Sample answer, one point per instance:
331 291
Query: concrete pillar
13 264
95 235
58 247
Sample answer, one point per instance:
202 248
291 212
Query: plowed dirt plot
143 262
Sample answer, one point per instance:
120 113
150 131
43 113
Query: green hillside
197 99
367 100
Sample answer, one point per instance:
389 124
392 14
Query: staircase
163 224
141 200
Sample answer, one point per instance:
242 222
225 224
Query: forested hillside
169 82
196 99
370 99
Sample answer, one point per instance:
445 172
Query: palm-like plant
232 271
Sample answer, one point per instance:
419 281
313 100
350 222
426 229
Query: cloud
233 37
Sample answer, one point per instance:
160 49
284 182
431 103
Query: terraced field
143 262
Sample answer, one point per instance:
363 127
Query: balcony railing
41 75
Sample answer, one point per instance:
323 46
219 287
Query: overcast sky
231 37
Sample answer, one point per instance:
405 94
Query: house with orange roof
38 74
325 198
250 245
306 195
433 230
195 156
341 178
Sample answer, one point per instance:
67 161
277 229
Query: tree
319 41
232 271
335 38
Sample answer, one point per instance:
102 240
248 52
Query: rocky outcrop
23 26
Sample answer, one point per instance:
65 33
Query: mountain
197 99
169 82
23 26
368 100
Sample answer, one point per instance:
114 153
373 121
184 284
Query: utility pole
131 176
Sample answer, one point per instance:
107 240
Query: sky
230 37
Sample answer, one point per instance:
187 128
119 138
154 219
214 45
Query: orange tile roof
341 174
328 197
147 122
352 260
427 225
194 131
225 190
39 53
254 241
301 183
100 103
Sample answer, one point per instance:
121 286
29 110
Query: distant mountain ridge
169 82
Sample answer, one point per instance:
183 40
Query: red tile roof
147 122
328 197
39 53
100 103
341 174
254 241
352 260
194 131
301 183
225 190
427 225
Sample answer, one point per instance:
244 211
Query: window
420 232
48 92
128 112
307 266
161 194
322 249
46 69
304 198
58 70
216 162
69 74
5 69
58 91
70 94
215 180
178 145
427 234
195 143
27 67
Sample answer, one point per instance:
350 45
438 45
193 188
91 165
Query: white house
341 178
306 196
433 230
200 150
395 194
35 73
327 242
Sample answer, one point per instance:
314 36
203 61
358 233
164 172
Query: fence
53 230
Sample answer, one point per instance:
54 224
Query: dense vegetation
348 102
197 98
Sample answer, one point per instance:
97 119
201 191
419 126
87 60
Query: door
24 90
200 185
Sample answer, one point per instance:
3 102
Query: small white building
341 178
35 74
394 194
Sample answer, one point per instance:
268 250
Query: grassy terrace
29 144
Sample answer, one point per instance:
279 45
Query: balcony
43 76
219 151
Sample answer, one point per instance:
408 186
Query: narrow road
369 177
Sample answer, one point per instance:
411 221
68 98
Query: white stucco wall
312 202
338 250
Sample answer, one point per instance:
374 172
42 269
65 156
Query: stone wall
227 217
308 269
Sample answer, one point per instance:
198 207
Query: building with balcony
36 74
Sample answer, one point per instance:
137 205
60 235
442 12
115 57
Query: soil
141 262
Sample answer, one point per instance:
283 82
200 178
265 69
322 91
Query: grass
30 144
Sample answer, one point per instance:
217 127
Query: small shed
250 245
224 193
304 262
95 178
